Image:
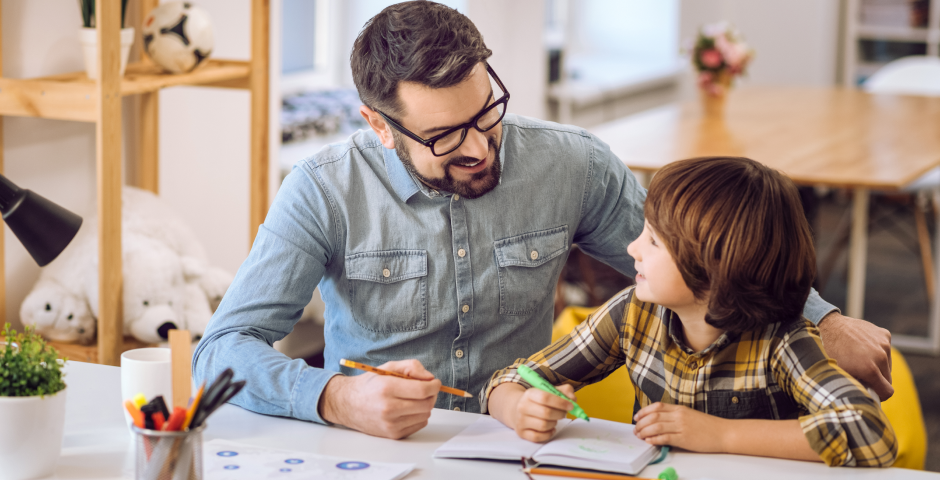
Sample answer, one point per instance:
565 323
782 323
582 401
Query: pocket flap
387 266
532 249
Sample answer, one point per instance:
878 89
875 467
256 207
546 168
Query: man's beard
466 189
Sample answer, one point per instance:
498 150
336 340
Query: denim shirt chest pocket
388 290
527 267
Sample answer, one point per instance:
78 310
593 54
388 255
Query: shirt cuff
816 308
305 397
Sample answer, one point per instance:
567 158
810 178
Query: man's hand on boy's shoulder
861 348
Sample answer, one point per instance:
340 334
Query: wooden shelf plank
143 77
73 96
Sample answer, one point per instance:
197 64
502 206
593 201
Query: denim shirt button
459 353
534 255
456 409
465 309
461 253
386 273
456 197
734 399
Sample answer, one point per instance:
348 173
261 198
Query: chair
917 75
613 397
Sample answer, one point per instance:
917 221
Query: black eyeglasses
452 139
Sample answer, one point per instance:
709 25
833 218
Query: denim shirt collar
406 185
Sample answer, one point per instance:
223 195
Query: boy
712 333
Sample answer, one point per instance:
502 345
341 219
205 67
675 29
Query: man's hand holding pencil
381 404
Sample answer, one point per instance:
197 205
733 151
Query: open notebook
598 445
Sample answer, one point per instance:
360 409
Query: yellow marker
140 400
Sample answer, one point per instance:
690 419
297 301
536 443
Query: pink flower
711 58
735 54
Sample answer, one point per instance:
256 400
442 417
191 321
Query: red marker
175 422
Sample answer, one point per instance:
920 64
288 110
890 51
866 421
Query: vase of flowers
719 55
88 35
32 405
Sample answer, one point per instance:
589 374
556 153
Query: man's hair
737 232
422 42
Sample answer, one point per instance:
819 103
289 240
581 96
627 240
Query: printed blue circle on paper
293 461
352 465
231 467
227 453
285 470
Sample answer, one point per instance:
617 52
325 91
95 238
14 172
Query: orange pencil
572 474
192 408
379 371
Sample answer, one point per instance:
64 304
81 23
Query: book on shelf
599 445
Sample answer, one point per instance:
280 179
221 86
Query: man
436 238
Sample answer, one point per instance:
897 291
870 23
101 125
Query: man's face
472 169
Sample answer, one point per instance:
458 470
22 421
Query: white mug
146 371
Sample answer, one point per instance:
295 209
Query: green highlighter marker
540 383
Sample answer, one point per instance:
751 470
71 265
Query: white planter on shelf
89 37
31 435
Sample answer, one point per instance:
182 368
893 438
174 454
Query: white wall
54 158
203 137
514 32
796 41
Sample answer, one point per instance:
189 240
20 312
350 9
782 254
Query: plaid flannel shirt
777 372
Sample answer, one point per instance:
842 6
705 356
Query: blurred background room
582 62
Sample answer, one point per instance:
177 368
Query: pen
540 383
379 371
575 474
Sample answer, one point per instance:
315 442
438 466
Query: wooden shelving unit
73 96
857 67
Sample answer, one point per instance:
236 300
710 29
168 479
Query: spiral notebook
599 445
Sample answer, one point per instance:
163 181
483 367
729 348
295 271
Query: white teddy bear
168 282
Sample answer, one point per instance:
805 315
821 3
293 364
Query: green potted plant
89 37
32 405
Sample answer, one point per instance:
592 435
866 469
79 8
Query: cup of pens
168 445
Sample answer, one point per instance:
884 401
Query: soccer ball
178 36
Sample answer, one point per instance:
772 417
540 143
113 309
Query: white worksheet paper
225 460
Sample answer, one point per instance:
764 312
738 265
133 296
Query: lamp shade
43 227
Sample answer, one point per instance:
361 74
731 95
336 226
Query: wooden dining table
819 136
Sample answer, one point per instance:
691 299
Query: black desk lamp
43 227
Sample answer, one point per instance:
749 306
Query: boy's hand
683 427
531 412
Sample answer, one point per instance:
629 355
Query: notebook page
488 438
598 445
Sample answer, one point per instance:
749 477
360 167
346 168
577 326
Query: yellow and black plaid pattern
778 372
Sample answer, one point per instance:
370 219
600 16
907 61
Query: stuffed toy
168 282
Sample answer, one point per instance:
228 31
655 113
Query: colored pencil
192 408
379 371
572 474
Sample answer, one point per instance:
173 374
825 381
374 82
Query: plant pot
89 38
713 101
31 435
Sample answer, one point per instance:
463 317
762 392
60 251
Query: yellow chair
613 397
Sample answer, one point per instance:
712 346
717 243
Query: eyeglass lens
488 120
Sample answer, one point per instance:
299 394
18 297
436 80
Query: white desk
97 443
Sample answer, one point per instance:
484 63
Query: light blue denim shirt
464 286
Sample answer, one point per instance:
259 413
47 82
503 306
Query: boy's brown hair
738 235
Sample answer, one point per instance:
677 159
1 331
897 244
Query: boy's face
658 279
